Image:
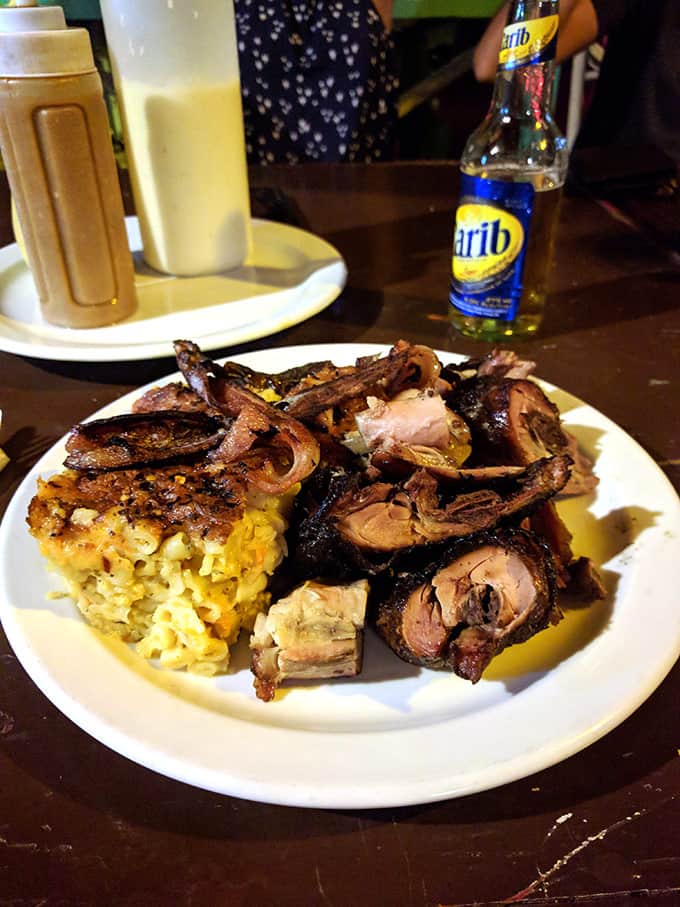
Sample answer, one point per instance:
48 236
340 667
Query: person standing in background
637 100
318 80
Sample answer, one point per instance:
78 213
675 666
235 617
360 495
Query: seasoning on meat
480 596
135 439
512 421
385 516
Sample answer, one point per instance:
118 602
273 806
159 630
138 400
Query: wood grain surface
82 825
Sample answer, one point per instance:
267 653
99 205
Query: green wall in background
445 9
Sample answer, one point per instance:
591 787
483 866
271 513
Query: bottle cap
35 41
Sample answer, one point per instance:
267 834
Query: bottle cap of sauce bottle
56 146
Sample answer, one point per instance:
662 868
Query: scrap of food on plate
411 496
315 632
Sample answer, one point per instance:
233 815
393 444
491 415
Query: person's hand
578 28
384 7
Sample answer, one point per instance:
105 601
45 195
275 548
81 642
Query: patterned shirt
318 81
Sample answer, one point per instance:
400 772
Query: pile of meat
426 503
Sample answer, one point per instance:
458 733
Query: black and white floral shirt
318 81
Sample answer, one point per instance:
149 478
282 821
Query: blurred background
440 102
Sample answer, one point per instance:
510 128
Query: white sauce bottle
175 68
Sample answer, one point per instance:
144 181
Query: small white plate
289 276
397 734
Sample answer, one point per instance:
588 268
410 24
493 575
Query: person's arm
578 29
384 7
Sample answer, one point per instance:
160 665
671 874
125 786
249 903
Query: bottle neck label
489 245
530 42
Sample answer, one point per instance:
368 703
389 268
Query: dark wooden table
82 825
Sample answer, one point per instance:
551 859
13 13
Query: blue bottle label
529 42
489 246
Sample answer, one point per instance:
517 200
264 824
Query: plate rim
235 784
335 270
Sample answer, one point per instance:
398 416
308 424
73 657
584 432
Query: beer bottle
512 172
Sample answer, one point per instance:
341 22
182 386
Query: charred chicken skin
386 517
512 421
479 596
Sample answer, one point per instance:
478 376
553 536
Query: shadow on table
396 251
73 770
596 305
126 375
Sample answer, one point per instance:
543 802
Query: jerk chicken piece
277 450
505 363
314 633
217 415
512 421
315 546
370 377
399 459
406 366
286 382
499 362
414 417
343 526
480 596
292 381
384 516
576 574
134 439
176 396
547 523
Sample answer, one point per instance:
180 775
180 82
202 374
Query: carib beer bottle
512 172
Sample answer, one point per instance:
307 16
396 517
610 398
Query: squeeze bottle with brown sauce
56 146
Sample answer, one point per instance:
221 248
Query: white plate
289 276
398 734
